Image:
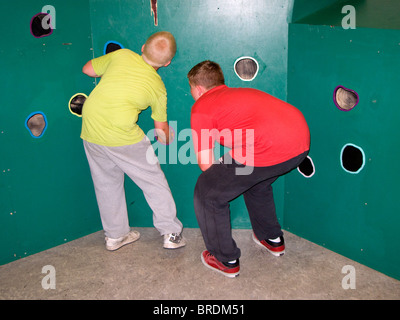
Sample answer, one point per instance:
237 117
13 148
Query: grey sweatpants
138 161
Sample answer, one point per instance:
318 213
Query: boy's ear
143 48
201 90
167 64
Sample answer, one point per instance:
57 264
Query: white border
246 57
312 163
341 158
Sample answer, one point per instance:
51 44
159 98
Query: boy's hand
164 133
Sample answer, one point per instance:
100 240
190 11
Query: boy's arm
88 70
163 131
205 157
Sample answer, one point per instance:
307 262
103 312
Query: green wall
45 187
356 215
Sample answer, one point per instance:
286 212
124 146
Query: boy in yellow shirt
115 145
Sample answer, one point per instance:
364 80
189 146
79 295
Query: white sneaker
114 244
174 241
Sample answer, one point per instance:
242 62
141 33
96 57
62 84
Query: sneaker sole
276 254
172 246
229 275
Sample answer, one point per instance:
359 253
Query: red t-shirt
261 129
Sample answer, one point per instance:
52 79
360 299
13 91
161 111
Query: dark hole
306 167
246 68
76 104
352 159
112 46
36 124
38 27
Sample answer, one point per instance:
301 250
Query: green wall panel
356 215
379 14
222 31
45 187
304 8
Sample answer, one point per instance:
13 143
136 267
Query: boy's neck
144 58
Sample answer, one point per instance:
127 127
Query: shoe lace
175 237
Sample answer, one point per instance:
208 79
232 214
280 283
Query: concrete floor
144 270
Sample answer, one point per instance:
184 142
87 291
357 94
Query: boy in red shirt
268 138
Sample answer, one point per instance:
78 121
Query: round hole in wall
345 99
41 25
352 158
246 68
111 46
36 123
76 103
307 168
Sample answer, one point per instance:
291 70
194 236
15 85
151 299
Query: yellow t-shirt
128 86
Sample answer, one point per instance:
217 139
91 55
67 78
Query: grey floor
144 270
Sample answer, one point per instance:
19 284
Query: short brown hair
160 48
207 74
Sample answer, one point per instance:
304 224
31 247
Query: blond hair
159 49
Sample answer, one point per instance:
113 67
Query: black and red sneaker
230 270
276 248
